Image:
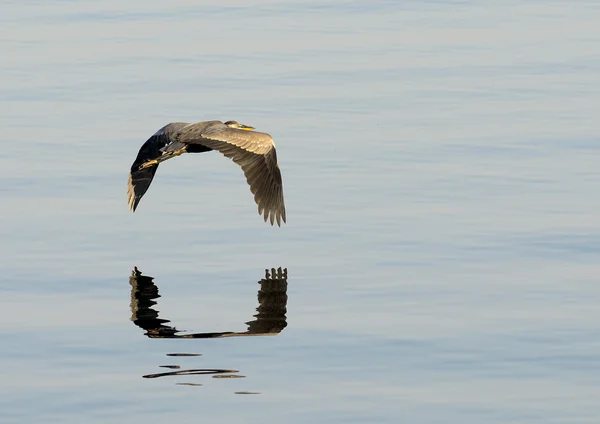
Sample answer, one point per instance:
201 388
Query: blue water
440 165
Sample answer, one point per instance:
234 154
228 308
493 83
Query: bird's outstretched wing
140 179
255 153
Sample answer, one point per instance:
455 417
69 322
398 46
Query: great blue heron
253 151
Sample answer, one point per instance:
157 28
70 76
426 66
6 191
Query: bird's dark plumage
253 151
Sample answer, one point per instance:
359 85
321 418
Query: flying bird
253 151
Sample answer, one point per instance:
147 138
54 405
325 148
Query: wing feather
252 141
140 179
255 153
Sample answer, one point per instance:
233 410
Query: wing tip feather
130 194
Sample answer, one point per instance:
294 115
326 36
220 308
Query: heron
253 151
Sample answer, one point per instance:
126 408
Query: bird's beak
246 127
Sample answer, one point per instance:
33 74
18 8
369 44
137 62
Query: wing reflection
269 320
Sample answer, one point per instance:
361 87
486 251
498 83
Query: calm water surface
440 164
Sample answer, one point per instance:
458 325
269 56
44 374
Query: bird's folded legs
164 157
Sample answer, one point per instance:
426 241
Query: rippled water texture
440 260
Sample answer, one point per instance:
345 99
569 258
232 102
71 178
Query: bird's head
236 124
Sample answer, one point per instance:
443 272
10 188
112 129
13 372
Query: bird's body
253 151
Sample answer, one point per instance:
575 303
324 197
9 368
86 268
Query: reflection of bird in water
270 319
270 316
253 151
